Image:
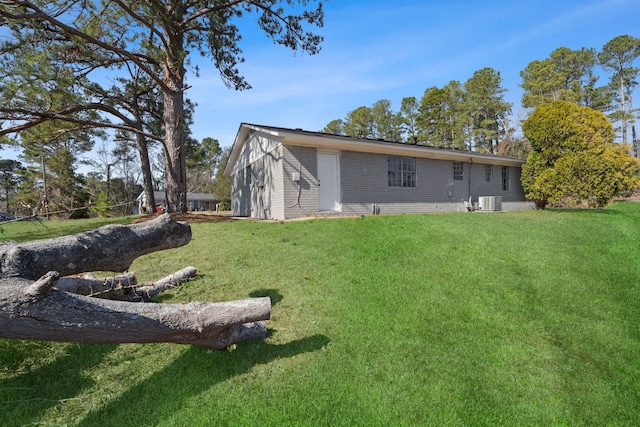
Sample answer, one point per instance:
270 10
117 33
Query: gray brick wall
364 180
301 198
364 176
364 186
479 186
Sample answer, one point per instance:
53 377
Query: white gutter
334 142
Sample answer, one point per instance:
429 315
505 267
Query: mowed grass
524 318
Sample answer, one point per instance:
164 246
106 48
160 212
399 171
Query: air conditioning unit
490 203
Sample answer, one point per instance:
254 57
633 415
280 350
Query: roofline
236 148
300 137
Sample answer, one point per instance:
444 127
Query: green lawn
524 318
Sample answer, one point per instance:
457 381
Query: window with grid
488 173
401 171
506 181
458 171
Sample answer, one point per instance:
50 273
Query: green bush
575 159
225 205
102 205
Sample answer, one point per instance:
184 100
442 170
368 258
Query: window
458 171
506 182
488 171
401 171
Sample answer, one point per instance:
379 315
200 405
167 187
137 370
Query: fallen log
124 287
108 248
35 303
38 311
146 292
116 287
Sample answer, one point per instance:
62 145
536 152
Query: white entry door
328 182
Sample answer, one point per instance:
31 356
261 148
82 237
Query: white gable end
257 146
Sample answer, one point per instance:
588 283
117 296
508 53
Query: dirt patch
188 217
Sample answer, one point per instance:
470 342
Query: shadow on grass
275 296
26 397
193 372
585 211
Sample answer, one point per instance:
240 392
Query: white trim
255 147
338 198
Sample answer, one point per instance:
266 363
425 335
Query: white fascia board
236 149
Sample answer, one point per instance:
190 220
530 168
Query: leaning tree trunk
147 178
35 303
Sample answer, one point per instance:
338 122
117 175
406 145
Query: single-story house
195 201
280 173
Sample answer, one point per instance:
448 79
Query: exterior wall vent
490 203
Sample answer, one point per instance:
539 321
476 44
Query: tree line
474 115
469 115
54 187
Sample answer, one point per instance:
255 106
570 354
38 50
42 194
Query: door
328 182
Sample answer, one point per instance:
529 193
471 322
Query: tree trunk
171 281
38 311
108 287
173 93
109 248
49 309
124 287
147 178
623 108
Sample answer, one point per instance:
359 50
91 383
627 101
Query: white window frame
506 178
458 171
402 174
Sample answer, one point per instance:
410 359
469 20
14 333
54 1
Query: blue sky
381 49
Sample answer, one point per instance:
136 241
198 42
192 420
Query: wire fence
38 215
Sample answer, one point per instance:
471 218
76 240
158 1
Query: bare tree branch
38 14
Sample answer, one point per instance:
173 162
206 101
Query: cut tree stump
37 303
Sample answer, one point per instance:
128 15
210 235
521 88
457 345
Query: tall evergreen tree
59 158
567 75
408 117
359 123
444 119
158 38
202 160
385 121
220 187
487 108
334 127
618 55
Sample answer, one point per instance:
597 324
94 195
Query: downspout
469 180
